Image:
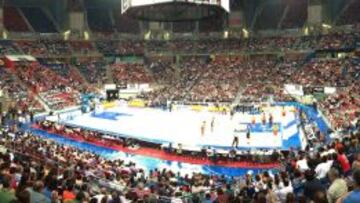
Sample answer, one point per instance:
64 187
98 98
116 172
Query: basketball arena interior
180 101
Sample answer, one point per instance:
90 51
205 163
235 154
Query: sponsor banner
329 90
294 89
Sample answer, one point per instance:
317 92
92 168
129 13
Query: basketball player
235 142
202 129
248 134
283 111
223 110
271 119
263 119
212 124
232 112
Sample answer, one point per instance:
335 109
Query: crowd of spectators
190 71
258 79
43 170
46 47
336 40
212 80
321 173
220 80
11 87
8 47
94 70
128 47
343 108
50 47
59 87
131 73
266 78
82 47
327 72
163 71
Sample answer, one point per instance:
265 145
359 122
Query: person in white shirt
302 164
101 195
282 193
323 168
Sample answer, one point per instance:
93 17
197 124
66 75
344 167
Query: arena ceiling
175 11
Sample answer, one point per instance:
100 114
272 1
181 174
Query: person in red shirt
338 145
68 193
221 196
344 162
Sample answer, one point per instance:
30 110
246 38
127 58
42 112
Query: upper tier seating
8 47
99 20
181 27
351 14
270 15
125 24
296 15
39 20
214 24
129 47
44 47
13 21
83 47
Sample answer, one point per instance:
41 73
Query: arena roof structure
173 11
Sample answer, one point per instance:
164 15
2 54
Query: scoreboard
126 4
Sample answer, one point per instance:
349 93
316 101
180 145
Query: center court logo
113 116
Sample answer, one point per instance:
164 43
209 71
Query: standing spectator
6 194
36 193
285 190
320 197
312 185
344 162
356 163
68 194
338 186
354 196
302 163
290 198
323 168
